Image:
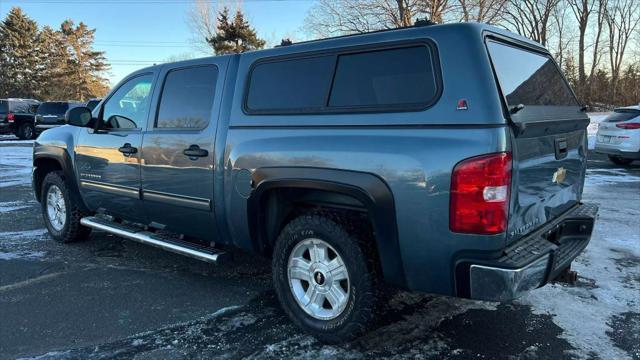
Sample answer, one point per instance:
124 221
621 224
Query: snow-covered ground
609 269
592 129
10 139
15 165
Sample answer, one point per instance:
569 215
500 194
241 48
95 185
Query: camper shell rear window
529 78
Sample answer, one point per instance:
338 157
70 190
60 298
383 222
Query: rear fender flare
367 188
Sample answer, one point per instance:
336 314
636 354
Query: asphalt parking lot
112 298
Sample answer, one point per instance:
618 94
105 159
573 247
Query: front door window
128 108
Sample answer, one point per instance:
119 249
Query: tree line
49 64
595 42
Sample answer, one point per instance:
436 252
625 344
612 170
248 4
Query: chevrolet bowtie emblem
559 175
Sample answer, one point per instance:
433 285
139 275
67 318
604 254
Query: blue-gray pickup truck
447 159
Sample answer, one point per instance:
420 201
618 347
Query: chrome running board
146 237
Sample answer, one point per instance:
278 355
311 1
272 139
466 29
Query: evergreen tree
53 57
234 37
84 65
18 55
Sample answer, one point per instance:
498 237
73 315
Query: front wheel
61 215
324 279
620 160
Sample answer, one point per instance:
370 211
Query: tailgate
548 138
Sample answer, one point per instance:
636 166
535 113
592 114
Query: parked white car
619 135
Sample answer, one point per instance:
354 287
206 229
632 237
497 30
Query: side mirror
78 116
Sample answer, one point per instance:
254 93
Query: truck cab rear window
391 78
529 78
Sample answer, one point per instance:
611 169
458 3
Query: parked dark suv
447 159
51 114
17 116
91 104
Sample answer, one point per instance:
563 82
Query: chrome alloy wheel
56 209
318 279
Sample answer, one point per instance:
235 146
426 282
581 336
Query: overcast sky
137 33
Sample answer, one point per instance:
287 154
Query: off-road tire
364 296
72 230
26 132
620 160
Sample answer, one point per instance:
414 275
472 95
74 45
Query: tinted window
53 108
128 107
19 107
384 78
187 98
91 104
529 78
298 84
4 106
622 115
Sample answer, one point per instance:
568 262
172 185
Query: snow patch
21 255
597 177
12 206
592 129
21 237
15 165
583 311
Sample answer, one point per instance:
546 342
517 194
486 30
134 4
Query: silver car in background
619 135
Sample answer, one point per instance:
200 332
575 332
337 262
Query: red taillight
480 188
11 117
628 126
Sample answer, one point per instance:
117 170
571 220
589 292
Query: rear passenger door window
187 98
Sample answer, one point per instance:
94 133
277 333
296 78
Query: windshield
4 105
53 108
528 78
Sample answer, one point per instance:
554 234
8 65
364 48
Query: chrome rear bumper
496 284
534 260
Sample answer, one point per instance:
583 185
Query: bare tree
486 11
597 53
582 10
339 17
563 34
434 10
622 18
530 18
202 19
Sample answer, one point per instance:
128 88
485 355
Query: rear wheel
61 215
25 132
618 160
324 280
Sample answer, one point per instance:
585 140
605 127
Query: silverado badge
559 175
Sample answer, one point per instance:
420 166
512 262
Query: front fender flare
62 157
